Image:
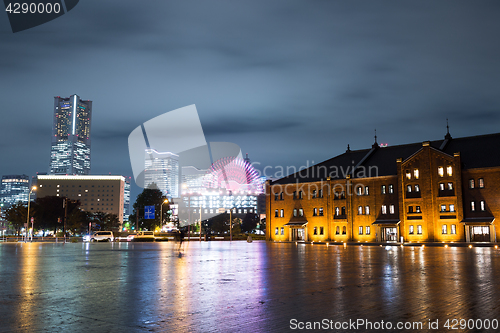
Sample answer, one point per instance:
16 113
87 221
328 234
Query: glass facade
70 150
14 188
162 170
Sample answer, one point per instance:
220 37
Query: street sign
32 219
149 212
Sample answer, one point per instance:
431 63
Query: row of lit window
212 211
482 206
480 183
416 173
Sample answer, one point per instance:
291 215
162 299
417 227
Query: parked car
144 236
106 236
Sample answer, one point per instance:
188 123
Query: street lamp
231 224
33 188
161 212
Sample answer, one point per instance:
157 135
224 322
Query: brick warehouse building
435 191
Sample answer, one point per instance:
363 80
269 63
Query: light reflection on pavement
238 286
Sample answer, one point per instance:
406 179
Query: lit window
337 231
366 190
391 209
321 212
276 231
384 209
410 230
281 196
416 174
282 213
391 188
408 188
482 206
481 183
368 230
359 190
440 171
443 208
450 186
441 186
321 230
472 206
282 231
408 174
471 183
453 230
315 230
360 230
301 212
383 189
417 188
449 171
300 194
337 211
314 194
344 230
419 229
315 211
295 212
367 210
444 229
360 210
452 208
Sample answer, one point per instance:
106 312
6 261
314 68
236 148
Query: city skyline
305 81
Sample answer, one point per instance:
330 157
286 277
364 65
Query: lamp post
33 188
161 212
231 224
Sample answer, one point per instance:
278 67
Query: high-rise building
126 199
70 150
162 172
14 188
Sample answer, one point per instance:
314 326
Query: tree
249 222
105 221
49 212
16 215
149 197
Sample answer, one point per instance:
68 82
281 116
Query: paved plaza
241 287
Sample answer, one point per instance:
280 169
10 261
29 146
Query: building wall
96 193
430 190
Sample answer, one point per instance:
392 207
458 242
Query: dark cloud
288 81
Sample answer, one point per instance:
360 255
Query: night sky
288 81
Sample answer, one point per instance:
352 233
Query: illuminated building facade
162 170
95 193
126 199
14 189
435 191
230 184
70 149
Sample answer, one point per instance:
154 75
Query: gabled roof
475 151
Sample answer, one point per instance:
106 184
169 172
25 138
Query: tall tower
70 150
162 170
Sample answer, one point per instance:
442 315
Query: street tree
150 197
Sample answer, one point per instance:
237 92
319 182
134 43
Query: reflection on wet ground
239 286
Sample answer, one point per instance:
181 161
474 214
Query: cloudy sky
288 81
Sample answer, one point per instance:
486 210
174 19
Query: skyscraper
162 170
70 150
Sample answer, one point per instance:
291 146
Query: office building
162 172
96 193
70 149
14 189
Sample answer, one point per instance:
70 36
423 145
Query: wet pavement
243 287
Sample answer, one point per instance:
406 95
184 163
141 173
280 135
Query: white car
106 236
